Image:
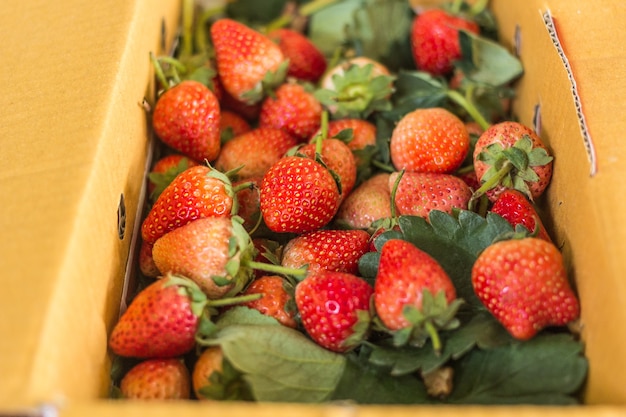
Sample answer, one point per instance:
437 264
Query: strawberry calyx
267 85
356 94
161 180
511 167
435 314
360 329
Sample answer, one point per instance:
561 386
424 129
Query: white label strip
588 142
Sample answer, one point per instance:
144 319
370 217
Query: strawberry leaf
455 242
548 369
416 89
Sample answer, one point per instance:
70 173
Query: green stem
495 179
158 70
455 7
383 166
434 336
478 7
469 107
305 10
465 170
222 302
206 16
179 66
277 269
394 189
187 35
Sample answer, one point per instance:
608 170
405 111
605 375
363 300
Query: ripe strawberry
524 284
210 251
248 62
161 321
249 201
410 279
157 379
334 308
306 61
517 209
186 117
338 157
254 151
419 193
146 262
232 125
362 140
293 109
429 140
511 155
367 203
277 300
356 88
298 195
198 192
163 172
326 250
435 40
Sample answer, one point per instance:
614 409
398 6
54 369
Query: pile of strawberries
270 187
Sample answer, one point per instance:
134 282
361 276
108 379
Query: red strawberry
419 193
338 157
214 378
326 250
164 171
524 284
517 209
293 109
334 308
203 251
363 136
408 278
232 125
306 61
356 88
248 62
268 252
254 151
186 117
429 140
435 40
161 321
511 155
146 262
157 379
298 195
367 203
276 301
249 201
198 192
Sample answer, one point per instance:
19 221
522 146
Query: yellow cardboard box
74 149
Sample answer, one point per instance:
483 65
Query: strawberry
214 378
429 140
306 61
293 109
511 155
338 157
298 195
419 193
326 250
254 151
334 308
211 251
517 209
186 117
277 300
248 111
157 379
164 170
356 88
197 192
249 201
367 203
524 284
248 62
161 321
413 294
435 40
232 124
146 262
362 140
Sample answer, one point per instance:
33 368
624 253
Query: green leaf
416 89
548 369
485 61
279 363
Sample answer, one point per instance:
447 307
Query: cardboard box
74 146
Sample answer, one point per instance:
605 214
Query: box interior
78 75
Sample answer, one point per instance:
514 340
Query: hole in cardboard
537 119
121 218
163 42
517 41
